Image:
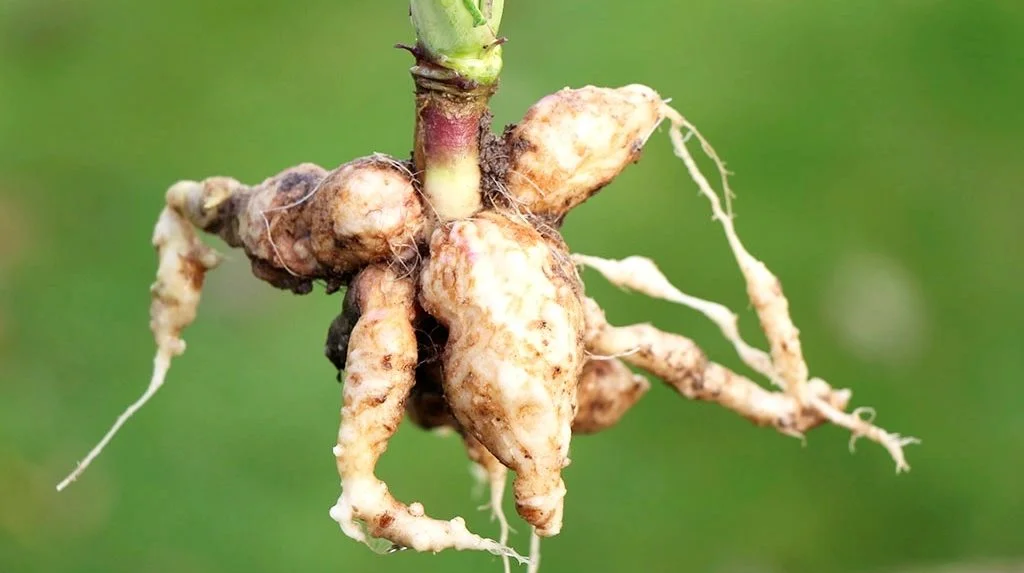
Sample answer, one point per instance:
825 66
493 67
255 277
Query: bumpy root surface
763 288
380 372
820 403
306 224
679 362
512 307
184 261
607 389
488 335
572 143
810 401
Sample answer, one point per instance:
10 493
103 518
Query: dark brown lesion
280 278
497 156
338 334
426 405
194 270
287 215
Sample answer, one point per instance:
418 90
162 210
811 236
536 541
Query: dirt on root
497 156
495 160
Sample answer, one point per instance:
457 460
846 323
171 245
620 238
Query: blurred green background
879 156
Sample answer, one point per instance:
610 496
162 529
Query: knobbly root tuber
514 353
306 224
367 211
184 261
572 143
380 372
464 310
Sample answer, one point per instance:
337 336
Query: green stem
461 35
458 59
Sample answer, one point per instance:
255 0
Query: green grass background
885 132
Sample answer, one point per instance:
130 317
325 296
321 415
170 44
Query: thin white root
534 565
787 365
640 274
161 364
494 474
184 261
861 428
498 512
763 287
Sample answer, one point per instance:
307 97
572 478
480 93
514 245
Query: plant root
572 143
306 224
640 274
514 351
680 363
184 262
811 401
534 564
495 474
474 321
607 389
379 375
763 288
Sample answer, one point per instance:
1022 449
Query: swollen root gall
607 389
465 311
573 142
363 212
512 305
